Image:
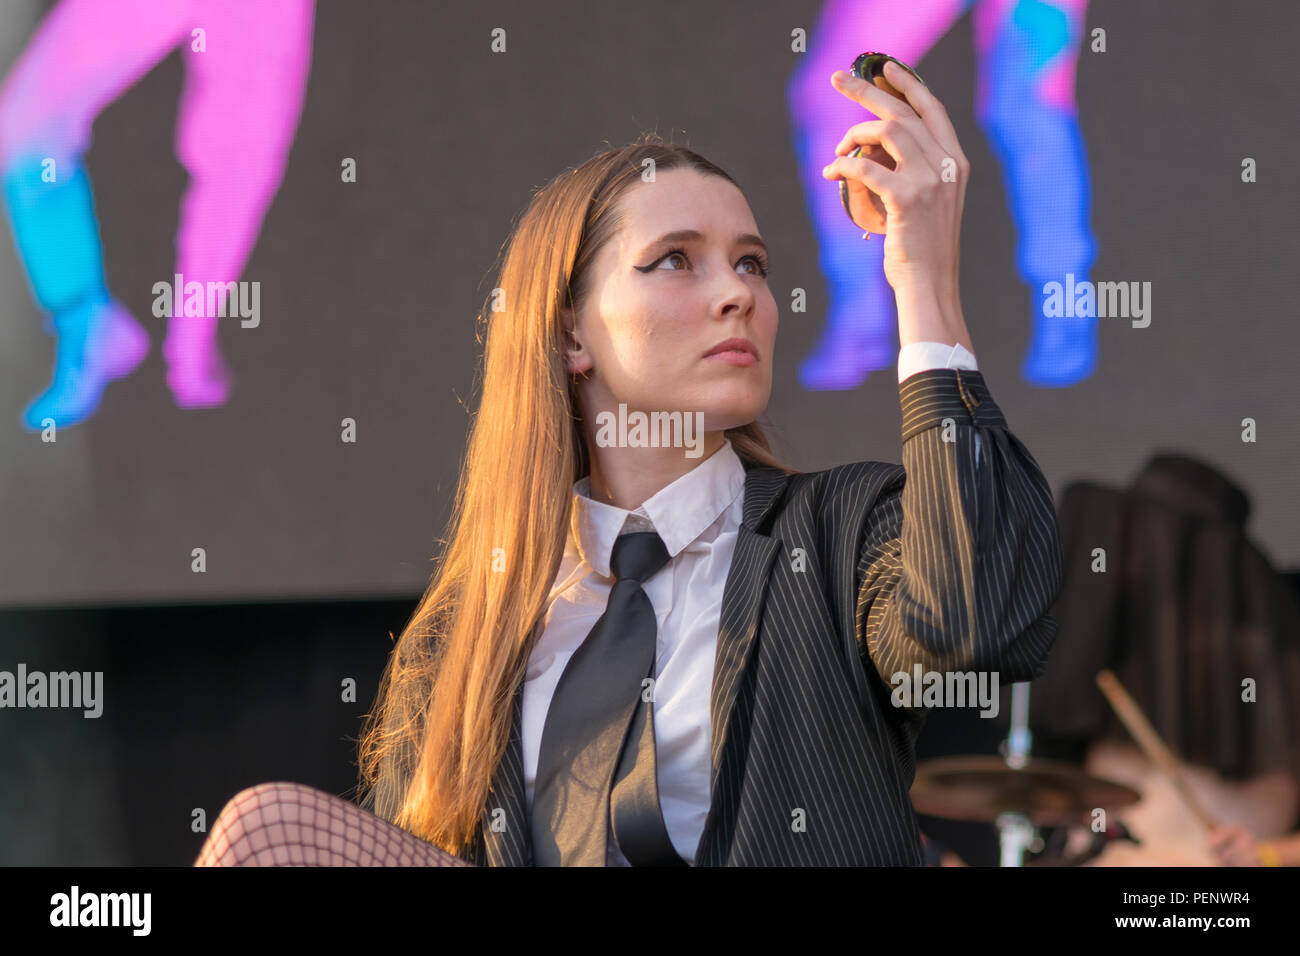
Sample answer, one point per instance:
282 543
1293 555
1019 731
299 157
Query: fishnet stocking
290 824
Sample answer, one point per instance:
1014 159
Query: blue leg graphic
57 237
1045 172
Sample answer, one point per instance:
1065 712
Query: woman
680 651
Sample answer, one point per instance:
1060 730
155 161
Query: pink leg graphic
238 115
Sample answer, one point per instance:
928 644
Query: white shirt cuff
919 356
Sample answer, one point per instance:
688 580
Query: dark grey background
369 290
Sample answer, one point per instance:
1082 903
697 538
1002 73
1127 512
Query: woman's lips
732 357
736 350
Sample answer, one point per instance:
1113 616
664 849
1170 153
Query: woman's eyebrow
691 235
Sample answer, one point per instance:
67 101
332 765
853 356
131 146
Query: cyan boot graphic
98 342
52 215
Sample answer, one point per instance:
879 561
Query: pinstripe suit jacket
939 561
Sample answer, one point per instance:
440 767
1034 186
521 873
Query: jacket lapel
742 602
509 842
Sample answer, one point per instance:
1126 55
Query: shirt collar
679 512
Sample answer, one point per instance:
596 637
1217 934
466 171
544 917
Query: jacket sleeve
960 557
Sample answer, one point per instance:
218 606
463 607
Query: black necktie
596 763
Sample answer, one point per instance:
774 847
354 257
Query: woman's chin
720 419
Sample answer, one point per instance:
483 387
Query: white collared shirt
698 517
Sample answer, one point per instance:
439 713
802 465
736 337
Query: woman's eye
758 267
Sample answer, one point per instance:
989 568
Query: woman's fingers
922 107
895 137
926 105
883 104
877 178
902 184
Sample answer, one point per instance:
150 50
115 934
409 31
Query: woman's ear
577 361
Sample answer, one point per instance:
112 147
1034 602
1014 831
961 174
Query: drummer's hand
1234 846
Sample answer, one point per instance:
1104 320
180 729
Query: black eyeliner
758 257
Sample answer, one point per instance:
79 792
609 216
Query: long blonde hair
444 710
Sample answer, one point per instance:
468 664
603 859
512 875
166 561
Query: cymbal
979 788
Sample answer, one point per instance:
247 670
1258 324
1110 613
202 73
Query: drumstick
1132 717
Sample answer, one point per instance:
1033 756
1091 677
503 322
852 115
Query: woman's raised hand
911 160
